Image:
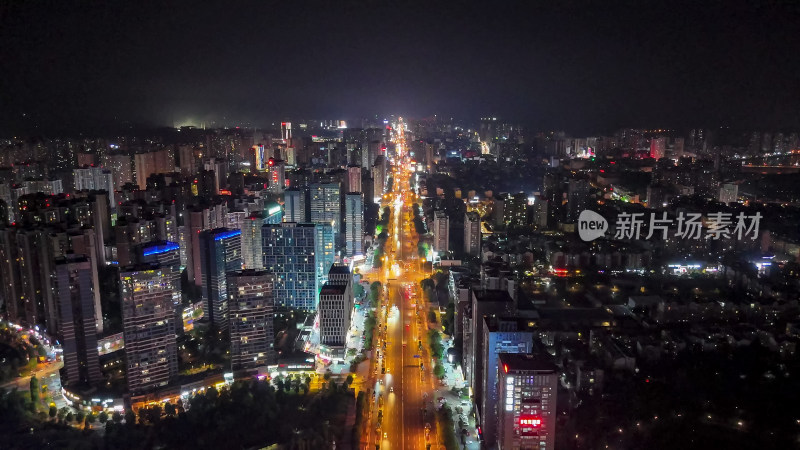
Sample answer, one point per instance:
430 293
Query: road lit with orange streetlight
404 383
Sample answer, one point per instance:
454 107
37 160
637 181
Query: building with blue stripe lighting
220 253
227 234
160 248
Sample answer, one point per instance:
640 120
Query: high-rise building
273 213
441 232
219 168
260 156
485 302
326 205
578 191
286 131
159 161
148 326
166 256
325 253
74 289
102 206
354 223
354 179
472 233
527 390
186 160
512 210
729 193
294 206
379 172
10 285
251 312
335 307
289 251
220 253
121 169
251 242
198 219
85 242
277 176
35 303
500 335
658 147
95 179
367 187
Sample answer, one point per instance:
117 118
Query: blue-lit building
220 253
166 256
354 223
289 251
325 252
500 335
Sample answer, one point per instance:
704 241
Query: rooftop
492 295
513 362
511 324
332 289
339 269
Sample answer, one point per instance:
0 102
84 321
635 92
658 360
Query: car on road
391 388
385 436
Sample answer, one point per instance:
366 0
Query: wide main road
405 384
405 394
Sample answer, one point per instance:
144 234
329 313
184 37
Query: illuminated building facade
148 326
658 147
74 293
500 335
441 232
277 175
251 242
273 213
251 312
526 411
354 178
326 205
335 305
95 178
294 206
472 233
289 251
166 256
354 223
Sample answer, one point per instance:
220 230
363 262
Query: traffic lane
414 380
23 383
396 364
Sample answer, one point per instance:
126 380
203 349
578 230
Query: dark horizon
582 67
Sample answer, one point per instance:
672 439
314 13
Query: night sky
584 67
